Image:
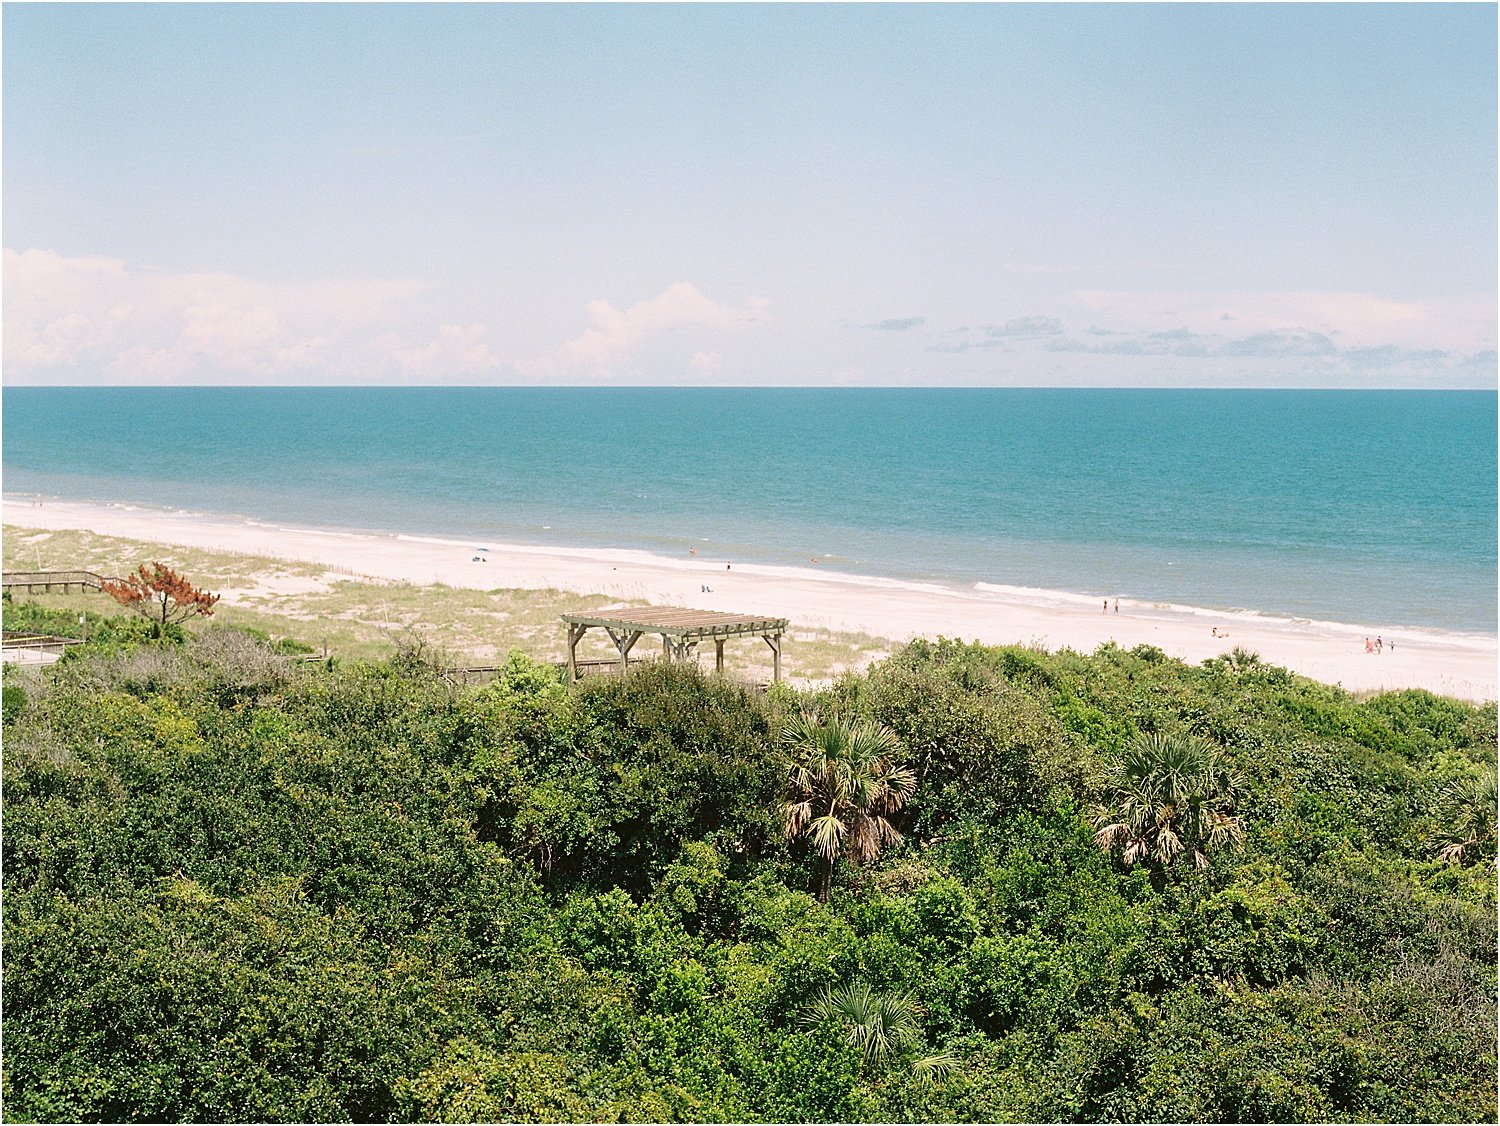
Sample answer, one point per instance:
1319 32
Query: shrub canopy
237 887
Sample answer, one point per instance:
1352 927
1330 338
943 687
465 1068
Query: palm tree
1468 806
878 1024
875 1023
843 786
1170 798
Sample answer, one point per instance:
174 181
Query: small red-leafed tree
157 592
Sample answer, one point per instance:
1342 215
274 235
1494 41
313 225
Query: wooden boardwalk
47 580
33 648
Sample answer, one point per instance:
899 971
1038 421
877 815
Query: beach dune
1452 664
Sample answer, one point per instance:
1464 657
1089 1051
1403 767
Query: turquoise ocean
1373 507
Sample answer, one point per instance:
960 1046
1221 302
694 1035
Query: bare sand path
1462 665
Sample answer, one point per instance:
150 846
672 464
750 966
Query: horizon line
708 387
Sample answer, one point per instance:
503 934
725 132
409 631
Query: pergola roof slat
674 619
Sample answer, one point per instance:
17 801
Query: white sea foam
1041 595
1144 607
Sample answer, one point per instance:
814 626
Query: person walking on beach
1106 606
1379 645
1117 605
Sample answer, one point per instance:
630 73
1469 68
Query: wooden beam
624 641
718 654
774 641
575 635
680 622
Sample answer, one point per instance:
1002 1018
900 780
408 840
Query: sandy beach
1451 664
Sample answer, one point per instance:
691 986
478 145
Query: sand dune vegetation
243 886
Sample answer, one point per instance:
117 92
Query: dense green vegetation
238 887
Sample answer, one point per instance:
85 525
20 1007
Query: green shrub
13 701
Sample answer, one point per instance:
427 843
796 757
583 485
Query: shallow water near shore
1332 506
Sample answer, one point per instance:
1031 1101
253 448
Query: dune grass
363 618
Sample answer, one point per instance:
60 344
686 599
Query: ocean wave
442 541
1040 594
1138 607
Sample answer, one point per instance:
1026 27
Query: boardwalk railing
46 580
35 647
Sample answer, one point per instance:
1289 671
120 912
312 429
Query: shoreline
1448 663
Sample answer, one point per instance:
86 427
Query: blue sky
1216 195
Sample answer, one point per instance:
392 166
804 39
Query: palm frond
796 815
931 1070
827 833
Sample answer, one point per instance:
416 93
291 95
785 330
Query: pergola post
774 641
575 635
624 641
718 654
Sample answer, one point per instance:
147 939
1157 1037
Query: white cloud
96 318
614 337
707 362
457 350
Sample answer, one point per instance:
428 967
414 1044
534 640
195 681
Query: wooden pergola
681 632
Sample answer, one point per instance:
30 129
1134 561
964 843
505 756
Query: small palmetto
843 785
875 1023
880 1025
1170 798
1468 810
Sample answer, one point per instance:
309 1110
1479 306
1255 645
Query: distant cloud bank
101 320
1317 338
1027 326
